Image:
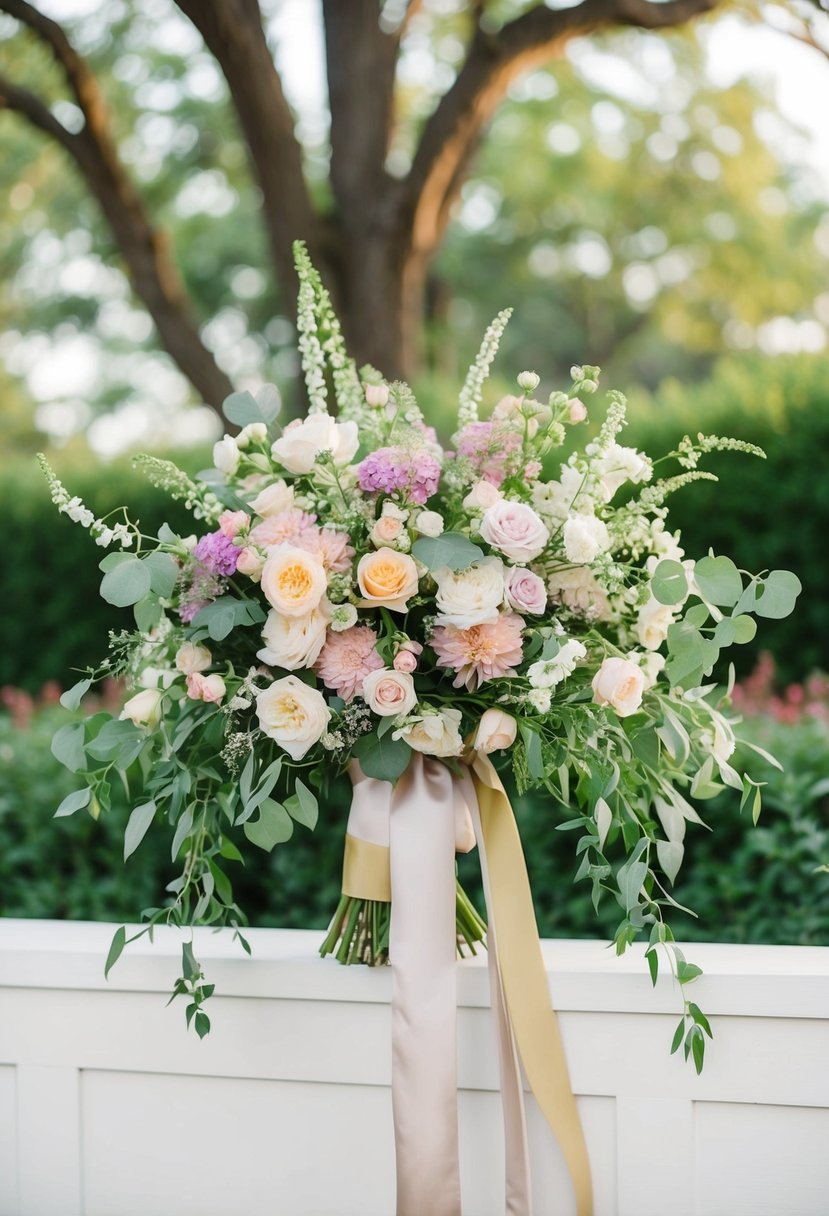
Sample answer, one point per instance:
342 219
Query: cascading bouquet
356 596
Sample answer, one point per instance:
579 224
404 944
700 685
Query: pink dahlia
292 527
346 659
482 652
332 548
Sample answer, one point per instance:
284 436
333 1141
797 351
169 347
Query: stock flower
293 714
434 734
619 684
496 730
217 553
293 580
515 530
481 653
472 596
302 442
387 579
389 693
346 659
293 641
585 537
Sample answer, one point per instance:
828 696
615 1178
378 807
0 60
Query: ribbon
401 843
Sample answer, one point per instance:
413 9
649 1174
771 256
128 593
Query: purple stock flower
488 447
218 554
390 469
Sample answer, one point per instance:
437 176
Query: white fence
108 1107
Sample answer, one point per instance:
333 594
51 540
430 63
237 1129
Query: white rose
156 677
585 537
293 641
293 714
620 684
302 442
470 597
190 657
274 499
653 623
254 432
144 708
226 455
514 529
293 580
433 734
343 616
620 464
482 495
429 523
389 693
496 730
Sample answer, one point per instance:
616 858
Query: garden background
641 205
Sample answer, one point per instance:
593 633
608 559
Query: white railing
108 1107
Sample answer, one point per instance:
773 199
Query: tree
374 233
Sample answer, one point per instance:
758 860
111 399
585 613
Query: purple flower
217 553
390 469
488 447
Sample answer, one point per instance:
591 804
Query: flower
404 660
226 455
546 673
482 495
488 447
205 688
541 699
416 473
232 522
343 616
385 531
585 537
653 623
650 664
434 734
274 499
332 548
578 590
480 653
515 530
303 441
346 659
191 657
429 523
619 684
293 641
496 730
525 591
250 562
144 709
389 693
472 596
254 432
291 527
217 553
376 395
293 714
620 464
293 580
576 410
387 579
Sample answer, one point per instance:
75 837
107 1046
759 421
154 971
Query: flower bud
529 381
377 395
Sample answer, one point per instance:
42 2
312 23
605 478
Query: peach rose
205 688
250 562
390 694
496 730
404 660
293 580
385 531
293 714
619 684
387 579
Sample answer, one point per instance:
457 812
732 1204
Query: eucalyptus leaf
68 746
119 940
451 550
630 879
273 826
670 854
147 613
163 573
242 409
604 817
73 802
73 696
137 826
384 759
306 810
779 592
669 584
719 581
127 583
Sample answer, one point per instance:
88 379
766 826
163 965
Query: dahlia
346 659
481 652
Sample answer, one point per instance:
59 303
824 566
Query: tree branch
145 249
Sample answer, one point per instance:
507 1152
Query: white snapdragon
541 699
620 464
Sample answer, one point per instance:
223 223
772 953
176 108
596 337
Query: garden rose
191 657
496 730
389 693
482 495
293 714
585 537
433 734
293 641
515 530
525 590
653 623
470 597
619 684
232 522
205 688
293 580
385 531
274 499
302 442
429 523
226 455
144 709
404 660
251 562
387 579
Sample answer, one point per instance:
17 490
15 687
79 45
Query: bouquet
354 595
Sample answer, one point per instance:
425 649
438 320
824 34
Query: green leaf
604 817
700 1018
685 972
697 616
202 1024
679 1035
242 409
745 628
669 584
163 569
71 699
274 826
183 829
147 613
535 760
127 583
384 759
119 940
780 590
670 854
67 746
224 888
228 850
226 614
653 965
114 738
630 879
190 969
719 581
73 802
306 808
451 550
137 825
697 1045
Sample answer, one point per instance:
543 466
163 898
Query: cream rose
389 693
293 641
302 442
226 455
653 623
293 714
205 688
144 709
470 597
619 684
251 562
429 523
385 531
496 730
433 734
585 537
274 499
515 530
482 495
293 580
387 579
190 657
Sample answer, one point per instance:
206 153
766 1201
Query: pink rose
232 522
390 694
405 661
577 410
619 684
525 591
385 531
515 530
205 688
482 495
250 562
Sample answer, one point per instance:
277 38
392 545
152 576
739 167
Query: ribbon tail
524 978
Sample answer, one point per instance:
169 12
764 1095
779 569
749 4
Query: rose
525 591
496 730
404 660
653 623
302 442
385 531
232 522
650 664
274 499
376 394
250 562
144 708
254 432
514 529
585 537
429 523
619 684
293 714
436 734
470 597
293 580
293 641
190 658
482 495
205 688
387 579
389 693
226 455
